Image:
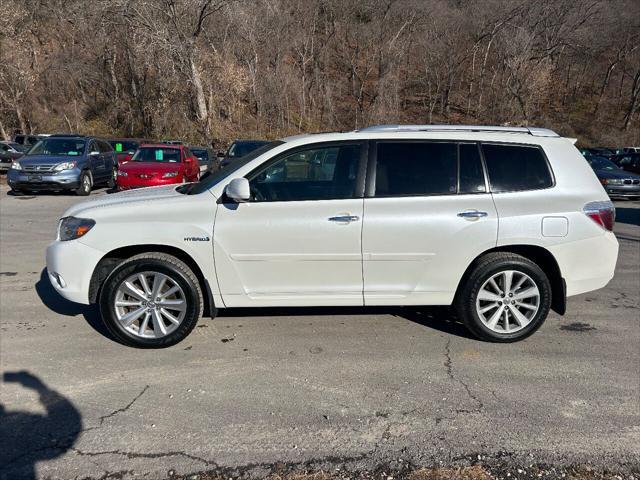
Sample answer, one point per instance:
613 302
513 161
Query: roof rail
536 132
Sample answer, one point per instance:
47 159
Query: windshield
601 163
123 146
159 154
240 149
215 178
71 147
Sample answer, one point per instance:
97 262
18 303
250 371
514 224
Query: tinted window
104 147
416 169
314 174
514 167
471 175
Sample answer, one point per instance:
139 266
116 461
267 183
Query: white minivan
502 223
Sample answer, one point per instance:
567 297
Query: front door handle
472 214
344 218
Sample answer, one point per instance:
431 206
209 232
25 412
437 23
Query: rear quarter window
516 168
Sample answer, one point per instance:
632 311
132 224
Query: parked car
395 215
172 142
631 150
239 149
28 140
206 158
616 181
65 162
629 162
125 148
9 151
162 164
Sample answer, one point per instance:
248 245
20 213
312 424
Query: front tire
151 300
505 298
86 182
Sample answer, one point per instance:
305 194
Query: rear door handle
472 214
344 218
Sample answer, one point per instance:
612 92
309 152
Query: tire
153 266
86 182
111 182
477 294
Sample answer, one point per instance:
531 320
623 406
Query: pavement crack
451 374
124 409
132 455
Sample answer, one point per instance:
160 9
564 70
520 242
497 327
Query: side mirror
238 190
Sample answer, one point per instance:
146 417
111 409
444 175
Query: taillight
603 213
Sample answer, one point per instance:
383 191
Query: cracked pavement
307 388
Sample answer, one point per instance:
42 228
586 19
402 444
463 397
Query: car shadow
55 302
28 437
441 319
630 216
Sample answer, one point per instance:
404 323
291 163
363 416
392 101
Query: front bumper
70 265
127 183
632 190
65 180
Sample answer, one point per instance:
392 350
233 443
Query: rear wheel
506 298
86 181
152 300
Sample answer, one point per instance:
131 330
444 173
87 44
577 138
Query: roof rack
536 132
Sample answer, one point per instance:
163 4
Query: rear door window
416 168
516 168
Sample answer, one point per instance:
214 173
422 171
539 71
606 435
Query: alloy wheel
508 301
150 305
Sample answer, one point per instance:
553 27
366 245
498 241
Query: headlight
72 228
65 166
616 181
122 173
16 166
170 175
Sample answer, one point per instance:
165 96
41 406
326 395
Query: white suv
502 223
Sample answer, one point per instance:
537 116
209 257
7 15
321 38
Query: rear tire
86 182
505 298
161 318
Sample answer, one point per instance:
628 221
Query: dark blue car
64 162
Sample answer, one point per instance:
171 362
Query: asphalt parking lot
317 388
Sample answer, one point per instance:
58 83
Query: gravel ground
354 393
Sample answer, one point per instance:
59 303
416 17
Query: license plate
35 178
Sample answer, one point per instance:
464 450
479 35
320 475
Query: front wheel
151 300
505 298
86 182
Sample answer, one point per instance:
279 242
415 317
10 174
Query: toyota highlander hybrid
499 222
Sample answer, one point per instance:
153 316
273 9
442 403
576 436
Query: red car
154 165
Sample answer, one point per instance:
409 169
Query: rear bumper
70 277
583 270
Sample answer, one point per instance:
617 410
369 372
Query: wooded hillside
221 69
